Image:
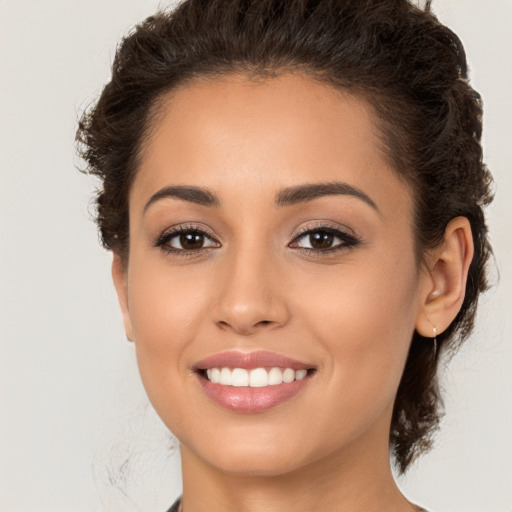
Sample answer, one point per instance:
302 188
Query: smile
255 378
252 382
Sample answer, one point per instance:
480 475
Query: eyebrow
197 195
308 192
286 197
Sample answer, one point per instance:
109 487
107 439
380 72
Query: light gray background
72 410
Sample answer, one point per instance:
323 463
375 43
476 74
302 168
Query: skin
350 313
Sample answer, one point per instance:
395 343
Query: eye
323 239
185 240
190 241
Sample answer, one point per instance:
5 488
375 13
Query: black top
174 508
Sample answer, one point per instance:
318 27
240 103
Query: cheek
364 319
166 310
377 292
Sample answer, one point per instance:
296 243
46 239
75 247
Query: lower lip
249 400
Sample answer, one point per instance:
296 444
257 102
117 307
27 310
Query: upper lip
250 360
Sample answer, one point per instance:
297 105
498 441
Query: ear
445 280
120 283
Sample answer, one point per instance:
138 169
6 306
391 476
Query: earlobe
120 283
446 278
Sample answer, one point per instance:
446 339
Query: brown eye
324 240
191 241
321 240
185 240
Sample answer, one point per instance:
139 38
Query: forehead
236 134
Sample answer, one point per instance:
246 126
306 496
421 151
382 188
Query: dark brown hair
411 69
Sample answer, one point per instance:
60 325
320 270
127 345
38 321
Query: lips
252 382
249 360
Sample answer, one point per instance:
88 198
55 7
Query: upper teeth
255 378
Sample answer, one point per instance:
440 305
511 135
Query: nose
251 296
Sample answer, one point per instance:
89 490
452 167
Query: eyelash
165 238
347 240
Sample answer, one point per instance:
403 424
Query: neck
350 481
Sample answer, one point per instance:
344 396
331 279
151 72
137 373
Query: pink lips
250 360
249 399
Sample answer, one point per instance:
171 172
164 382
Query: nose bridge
250 295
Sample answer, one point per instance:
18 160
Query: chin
262 463
264 454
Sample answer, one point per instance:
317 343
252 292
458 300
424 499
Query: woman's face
291 246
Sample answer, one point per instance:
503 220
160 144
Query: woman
293 195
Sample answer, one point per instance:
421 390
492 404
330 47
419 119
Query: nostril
246 326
